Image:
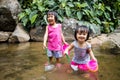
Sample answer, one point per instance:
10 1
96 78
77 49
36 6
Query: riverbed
25 61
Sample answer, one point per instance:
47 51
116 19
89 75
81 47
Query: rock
37 33
9 10
70 24
98 41
19 35
107 43
68 27
115 38
7 23
12 5
4 36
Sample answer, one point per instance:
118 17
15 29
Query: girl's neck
52 24
81 44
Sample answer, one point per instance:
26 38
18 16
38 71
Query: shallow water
25 61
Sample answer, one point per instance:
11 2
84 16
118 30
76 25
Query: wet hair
52 13
82 29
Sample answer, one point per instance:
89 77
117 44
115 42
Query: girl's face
51 19
81 36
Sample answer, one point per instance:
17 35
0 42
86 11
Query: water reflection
25 61
15 59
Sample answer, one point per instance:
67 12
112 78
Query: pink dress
54 37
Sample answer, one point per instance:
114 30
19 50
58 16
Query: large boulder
37 33
12 5
19 35
115 38
9 10
107 42
7 23
68 26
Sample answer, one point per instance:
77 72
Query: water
25 61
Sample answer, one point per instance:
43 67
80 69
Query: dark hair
53 13
82 29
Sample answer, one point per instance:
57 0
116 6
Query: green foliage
105 13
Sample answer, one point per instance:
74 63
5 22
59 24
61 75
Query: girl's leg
58 55
74 66
58 64
50 59
57 60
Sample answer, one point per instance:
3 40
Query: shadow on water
25 61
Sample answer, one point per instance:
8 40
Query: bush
104 13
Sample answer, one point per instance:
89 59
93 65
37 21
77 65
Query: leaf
97 20
33 18
101 6
107 16
34 1
92 27
79 15
41 8
86 12
51 3
24 21
67 10
63 4
60 18
108 8
77 4
70 4
84 5
21 15
45 18
28 11
113 14
111 28
92 13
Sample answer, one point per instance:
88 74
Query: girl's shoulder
75 43
59 25
88 45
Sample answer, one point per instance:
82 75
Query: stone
4 36
19 35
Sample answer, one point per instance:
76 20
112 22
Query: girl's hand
44 46
66 43
95 59
66 53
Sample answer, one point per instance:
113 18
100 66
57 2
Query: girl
54 36
82 49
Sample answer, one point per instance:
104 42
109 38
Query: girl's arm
63 39
69 48
91 54
45 37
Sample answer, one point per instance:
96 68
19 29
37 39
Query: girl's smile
81 37
51 19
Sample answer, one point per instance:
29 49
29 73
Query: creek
25 61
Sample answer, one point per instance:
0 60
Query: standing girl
54 36
82 49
